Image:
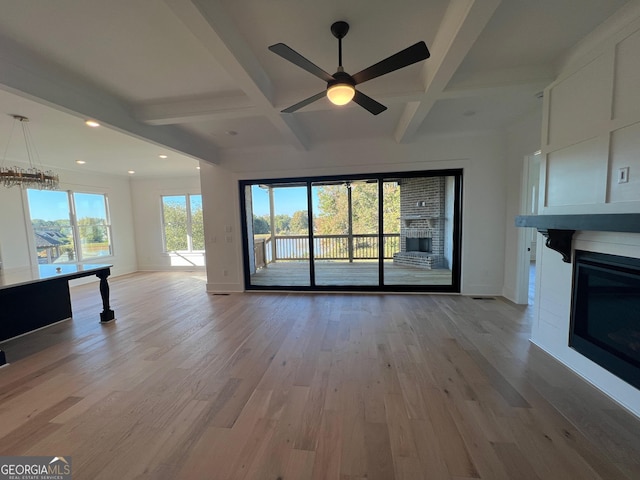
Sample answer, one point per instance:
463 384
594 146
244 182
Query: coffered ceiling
193 79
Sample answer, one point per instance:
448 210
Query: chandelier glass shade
31 176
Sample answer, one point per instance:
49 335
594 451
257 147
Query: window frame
74 226
189 223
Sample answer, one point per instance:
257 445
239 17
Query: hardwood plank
298 386
327 463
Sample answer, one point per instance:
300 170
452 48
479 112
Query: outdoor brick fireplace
422 226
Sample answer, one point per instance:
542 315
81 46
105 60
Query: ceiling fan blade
403 58
294 57
305 102
368 103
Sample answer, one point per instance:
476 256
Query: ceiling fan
341 86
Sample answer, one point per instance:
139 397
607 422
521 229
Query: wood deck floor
267 386
344 273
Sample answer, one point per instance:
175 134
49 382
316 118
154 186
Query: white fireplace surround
553 310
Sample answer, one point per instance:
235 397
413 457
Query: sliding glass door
345 232
383 232
419 210
277 222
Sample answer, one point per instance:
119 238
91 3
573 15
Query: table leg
107 315
3 358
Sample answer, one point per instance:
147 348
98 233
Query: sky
287 200
54 205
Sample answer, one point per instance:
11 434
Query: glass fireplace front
605 312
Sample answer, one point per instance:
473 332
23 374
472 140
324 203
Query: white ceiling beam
196 109
463 22
211 25
484 83
29 75
491 84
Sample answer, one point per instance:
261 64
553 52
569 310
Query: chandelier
31 177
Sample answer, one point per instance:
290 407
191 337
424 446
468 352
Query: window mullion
189 232
74 226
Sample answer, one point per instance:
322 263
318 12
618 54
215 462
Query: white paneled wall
592 120
591 129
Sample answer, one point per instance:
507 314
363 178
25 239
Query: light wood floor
359 273
187 385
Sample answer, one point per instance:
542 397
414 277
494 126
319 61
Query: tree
333 208
260 225
332 218
92 230
364 204
391 207
197 228
300 222
175 226
282 223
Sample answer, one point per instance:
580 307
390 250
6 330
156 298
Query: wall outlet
623 175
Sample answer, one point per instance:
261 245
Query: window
69 226
182 223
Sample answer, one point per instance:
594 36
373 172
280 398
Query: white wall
15 230
482 156
147 212
591 127
523 139
220 198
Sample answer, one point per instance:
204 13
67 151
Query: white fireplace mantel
559 229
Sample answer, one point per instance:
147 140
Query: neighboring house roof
48 239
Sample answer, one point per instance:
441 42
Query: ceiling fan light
340 93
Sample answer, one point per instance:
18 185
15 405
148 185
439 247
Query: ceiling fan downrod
339 30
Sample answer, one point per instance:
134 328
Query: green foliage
282 223
300 222
197 228
175 226
40 224
260 225
333 217
333 205
391 207
364 201
92 230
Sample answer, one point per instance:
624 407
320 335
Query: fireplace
421 244
605 313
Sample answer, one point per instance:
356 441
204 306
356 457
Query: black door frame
381 287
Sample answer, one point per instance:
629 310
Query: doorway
528 237
397 232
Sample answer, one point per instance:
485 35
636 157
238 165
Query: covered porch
343 273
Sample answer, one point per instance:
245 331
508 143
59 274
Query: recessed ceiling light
198 167
92 123
131 172
80 162
162 155
231 132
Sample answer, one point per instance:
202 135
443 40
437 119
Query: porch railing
325 247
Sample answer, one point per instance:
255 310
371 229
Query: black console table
32 298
